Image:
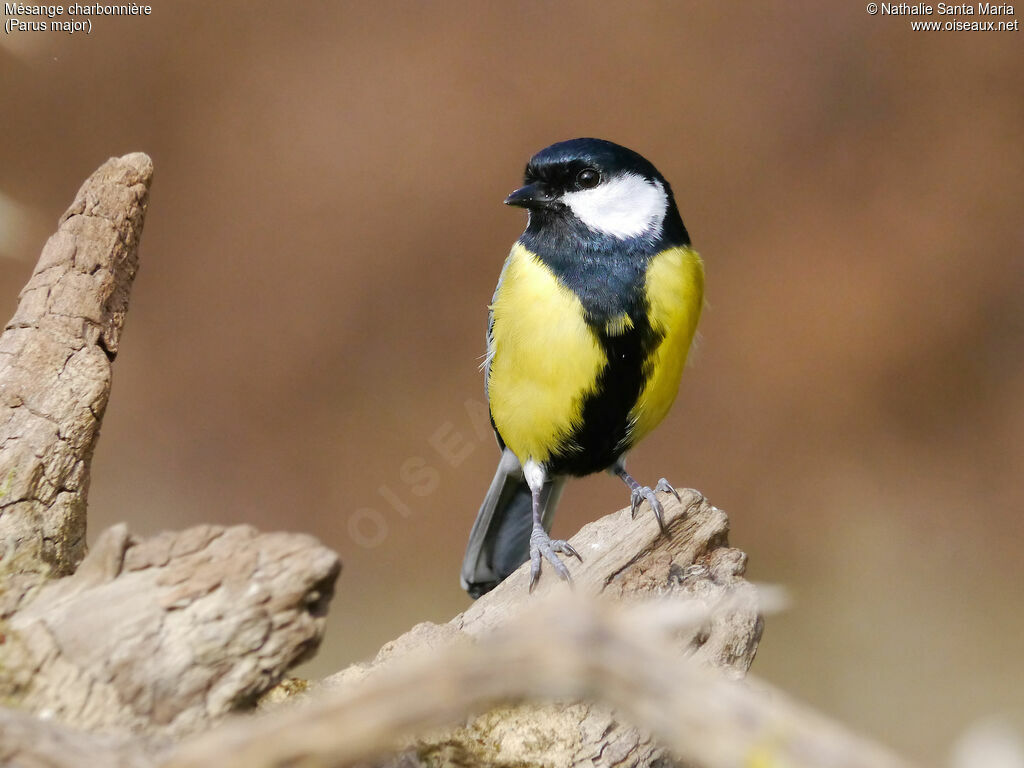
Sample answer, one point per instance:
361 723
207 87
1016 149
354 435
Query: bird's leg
541 544
639 493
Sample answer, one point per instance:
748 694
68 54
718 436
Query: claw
659 513
543 547
640 493
635 499
534 577
644 493
570 550
665 486
534 567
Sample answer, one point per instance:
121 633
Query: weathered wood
167 634
623 560
28 741
55 359
153 637
560 649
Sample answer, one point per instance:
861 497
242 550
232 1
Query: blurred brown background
326 228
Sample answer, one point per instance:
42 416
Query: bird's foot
543 546
645 493
666 487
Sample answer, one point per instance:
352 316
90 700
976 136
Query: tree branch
157 636
560 649
170 633
623 560
55 359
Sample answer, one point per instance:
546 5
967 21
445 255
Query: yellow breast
544 358
675 293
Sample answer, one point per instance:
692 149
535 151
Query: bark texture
167 634
55 357
561 649
152 637
624 560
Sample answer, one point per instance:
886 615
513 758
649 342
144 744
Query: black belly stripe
602 434
608 276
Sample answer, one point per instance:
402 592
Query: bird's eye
588 178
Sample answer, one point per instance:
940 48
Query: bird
588 333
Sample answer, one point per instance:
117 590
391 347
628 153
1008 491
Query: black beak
530 196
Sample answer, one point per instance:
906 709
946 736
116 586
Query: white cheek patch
624 206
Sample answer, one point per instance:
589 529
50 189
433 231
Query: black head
608 189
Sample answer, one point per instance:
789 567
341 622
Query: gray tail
500 540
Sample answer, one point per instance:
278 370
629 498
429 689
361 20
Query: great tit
587 335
